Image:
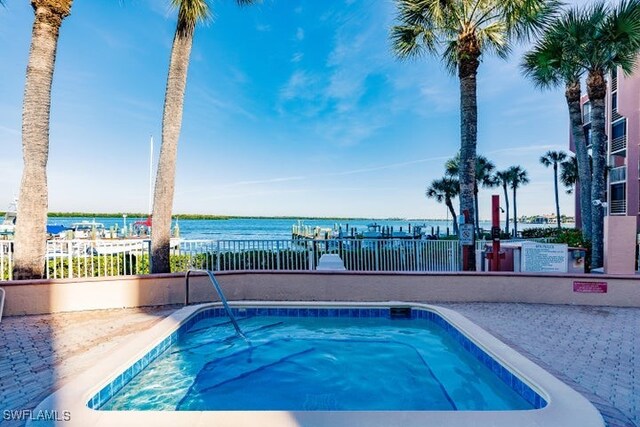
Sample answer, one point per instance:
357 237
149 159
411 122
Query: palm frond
190 13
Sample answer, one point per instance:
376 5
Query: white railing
618 207
102 258
303 255
619 144
96 258
6 259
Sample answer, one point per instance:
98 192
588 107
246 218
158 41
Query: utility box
576 261
509 257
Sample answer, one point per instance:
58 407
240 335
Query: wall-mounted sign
544 258
590 287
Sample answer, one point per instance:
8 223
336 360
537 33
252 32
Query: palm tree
484 168
190 13
550 63
610 38
519 178
460 32
445 189
503 179
554 158
30 238
569 173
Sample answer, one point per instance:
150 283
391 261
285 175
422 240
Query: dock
374 230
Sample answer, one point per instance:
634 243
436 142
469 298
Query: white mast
151 177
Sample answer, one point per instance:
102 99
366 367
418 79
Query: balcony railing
618 207
619 144
615 115
618 174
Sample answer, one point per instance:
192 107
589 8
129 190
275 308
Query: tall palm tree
30 238
553 62
569 173
519 177
460 32
190 13
484 168
445 189
554 158
610 38
503 179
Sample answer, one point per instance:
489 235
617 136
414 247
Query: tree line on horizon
569 44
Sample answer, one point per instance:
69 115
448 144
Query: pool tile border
417 313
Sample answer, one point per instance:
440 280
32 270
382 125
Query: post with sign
467 234
495 232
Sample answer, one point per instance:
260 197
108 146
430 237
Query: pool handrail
223 299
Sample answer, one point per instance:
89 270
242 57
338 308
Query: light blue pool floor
316 364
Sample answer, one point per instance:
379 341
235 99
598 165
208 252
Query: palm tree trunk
572 94
506 201
171 124
30 238
596 88
555 187
515 215
467 71
475 208
452 211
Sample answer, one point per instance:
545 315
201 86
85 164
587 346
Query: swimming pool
392 364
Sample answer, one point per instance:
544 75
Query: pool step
239 365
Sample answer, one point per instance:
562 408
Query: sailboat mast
151 176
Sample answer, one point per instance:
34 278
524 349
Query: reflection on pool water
323 359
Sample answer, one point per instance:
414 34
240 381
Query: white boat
88 230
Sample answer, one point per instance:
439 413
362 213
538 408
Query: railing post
218 255
70 259
150 255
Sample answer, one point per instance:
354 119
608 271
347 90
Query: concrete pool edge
565 407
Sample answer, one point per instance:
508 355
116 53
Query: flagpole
151 177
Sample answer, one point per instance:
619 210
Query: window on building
586 112
614 102
587 135
619 129
618 192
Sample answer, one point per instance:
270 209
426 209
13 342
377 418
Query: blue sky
293 107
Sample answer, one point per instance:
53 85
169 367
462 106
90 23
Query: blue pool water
318 363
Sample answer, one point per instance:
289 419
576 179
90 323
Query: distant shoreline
223 217
206 217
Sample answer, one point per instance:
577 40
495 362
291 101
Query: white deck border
565 407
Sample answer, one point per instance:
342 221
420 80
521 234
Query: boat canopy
56 229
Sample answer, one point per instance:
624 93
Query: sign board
466 234
590 287
544 258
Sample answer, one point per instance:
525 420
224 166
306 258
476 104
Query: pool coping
565 407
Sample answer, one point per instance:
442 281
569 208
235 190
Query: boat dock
301 231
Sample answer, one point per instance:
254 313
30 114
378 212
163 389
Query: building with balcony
623 139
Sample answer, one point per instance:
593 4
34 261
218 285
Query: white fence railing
101 258
300 255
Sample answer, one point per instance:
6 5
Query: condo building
622 116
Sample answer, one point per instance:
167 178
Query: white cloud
300 34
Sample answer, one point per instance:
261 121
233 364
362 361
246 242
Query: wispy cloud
299 34
297 57
263 27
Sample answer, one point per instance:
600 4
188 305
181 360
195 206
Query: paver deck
593 349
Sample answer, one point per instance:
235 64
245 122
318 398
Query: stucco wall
49 296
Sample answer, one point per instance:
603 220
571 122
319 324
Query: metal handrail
218 289
2 293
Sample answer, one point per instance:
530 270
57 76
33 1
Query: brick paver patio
593 349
